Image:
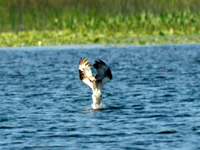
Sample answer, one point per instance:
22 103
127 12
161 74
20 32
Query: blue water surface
152 103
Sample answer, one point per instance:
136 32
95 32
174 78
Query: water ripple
151 103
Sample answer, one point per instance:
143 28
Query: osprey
95 83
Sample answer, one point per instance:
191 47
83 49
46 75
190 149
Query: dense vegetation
47 22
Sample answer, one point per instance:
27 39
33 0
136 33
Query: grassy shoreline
67 37
61 22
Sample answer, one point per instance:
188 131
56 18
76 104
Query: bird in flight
95 83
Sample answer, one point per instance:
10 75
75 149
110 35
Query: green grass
63 37
56 22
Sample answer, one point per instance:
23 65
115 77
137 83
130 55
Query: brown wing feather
103 71
85 72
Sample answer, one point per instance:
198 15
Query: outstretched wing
85 72
103 71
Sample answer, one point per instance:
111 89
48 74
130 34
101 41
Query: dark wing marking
85 72
103 71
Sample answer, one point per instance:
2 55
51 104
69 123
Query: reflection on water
152 102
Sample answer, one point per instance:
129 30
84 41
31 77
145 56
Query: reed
105 18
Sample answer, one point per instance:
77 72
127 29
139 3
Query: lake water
152 103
